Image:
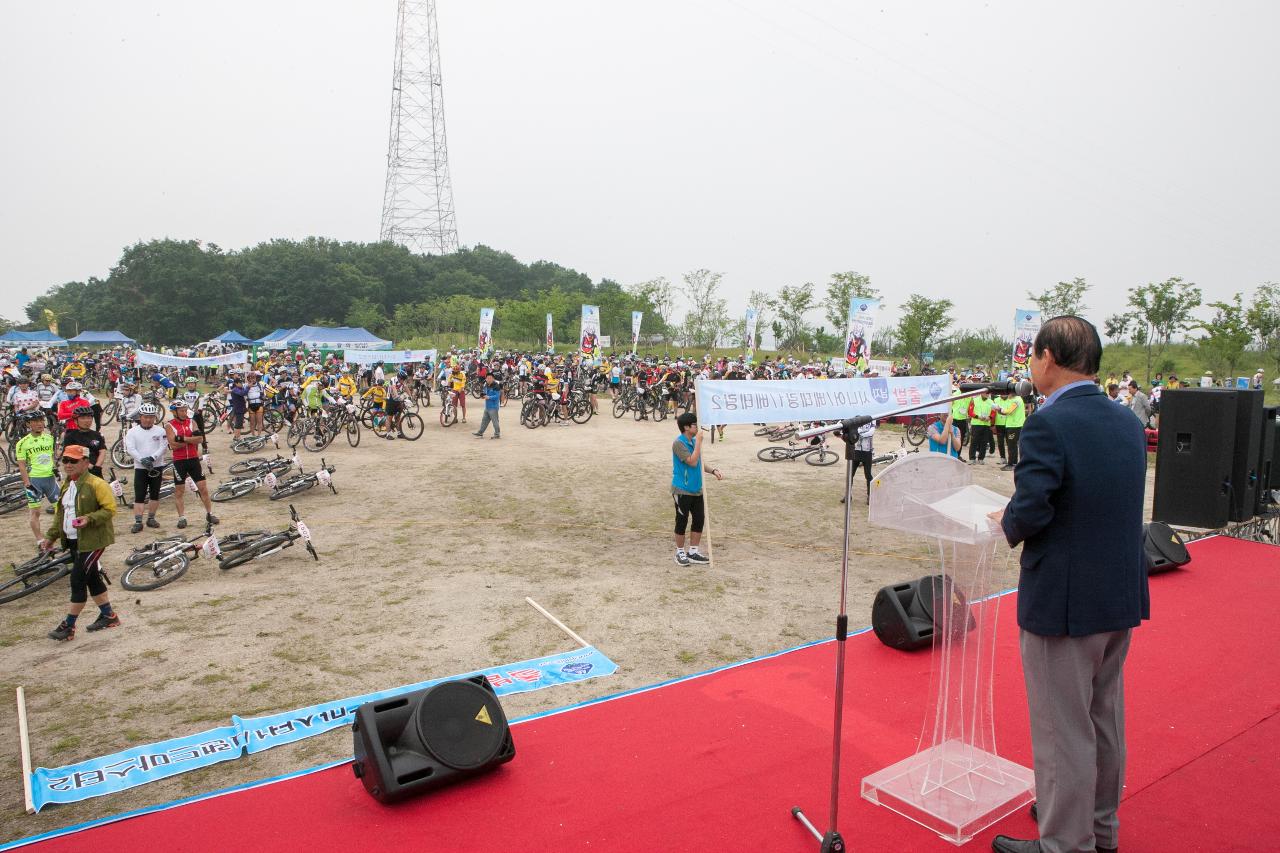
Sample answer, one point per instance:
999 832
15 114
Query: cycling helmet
81 411
177 404
149 409
33 415
44 377
191 380
74 386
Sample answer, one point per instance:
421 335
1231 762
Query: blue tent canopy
231 336
336 337
278 334
111 338
42 338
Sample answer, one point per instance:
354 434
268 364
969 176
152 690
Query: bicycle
36 574
247 484
270 543
250 443
153 565
917 428
814 454
894 455
300 483
258 464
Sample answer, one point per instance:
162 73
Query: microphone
1004 386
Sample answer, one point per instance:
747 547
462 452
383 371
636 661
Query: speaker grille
462 724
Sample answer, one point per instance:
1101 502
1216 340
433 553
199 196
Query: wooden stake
24 743
554 621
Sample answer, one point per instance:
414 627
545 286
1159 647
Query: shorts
393 407
44 487
184 468
255 407
145 486
237 419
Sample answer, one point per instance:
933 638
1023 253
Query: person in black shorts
184 444
87 437
687 468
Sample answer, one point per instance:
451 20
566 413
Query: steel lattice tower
417 205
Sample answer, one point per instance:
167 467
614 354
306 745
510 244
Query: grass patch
212 678
214 602
261 685
68 742
686 656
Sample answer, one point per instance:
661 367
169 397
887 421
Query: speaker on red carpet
1205 464
1164 548
905 615
422 740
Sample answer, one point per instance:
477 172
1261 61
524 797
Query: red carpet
717 761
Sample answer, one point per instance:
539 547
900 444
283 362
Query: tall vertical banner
551 335
861 325
750 342
1026 325
637 317
486 329
590 336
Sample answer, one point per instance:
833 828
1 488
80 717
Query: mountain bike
814 454
300 483
35 574
917 429
256 464
270 543
251 443
153 565
894 455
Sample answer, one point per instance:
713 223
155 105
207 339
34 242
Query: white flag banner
486 329
1026 325
551 335
637 317
751 317
783 401
861 325
590 336
161 360
403 356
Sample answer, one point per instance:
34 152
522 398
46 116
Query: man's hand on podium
997 517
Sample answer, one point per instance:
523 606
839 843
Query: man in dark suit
1077 509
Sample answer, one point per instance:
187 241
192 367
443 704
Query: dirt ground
427 553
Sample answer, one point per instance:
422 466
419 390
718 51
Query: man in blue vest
1077 509
687 466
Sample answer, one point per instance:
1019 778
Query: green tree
708 313
364 312
1158 311
922 324
1263 318
1065 297
843 287
791 330
1227 334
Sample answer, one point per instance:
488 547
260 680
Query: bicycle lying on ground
814 454
300 483
266 544
35 574
251 443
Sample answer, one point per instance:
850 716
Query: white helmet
149 409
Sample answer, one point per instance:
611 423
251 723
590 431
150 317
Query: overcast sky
967 150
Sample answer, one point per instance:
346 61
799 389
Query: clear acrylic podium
955 784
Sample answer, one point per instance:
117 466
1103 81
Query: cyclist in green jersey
34 453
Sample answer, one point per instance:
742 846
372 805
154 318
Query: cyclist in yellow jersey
347 386
73 370
458 384
377 394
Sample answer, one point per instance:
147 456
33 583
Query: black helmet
80 411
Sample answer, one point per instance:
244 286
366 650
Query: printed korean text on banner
636 318
781 401
861 324
161 360
551 335
486 329
751 316
1026 325
143 764
590 337
403 356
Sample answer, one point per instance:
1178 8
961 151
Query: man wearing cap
185 438
34 452
83 523
687 467
80 432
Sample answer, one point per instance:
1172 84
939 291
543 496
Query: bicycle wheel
660 410
269 544
448 414
773 454
411 427
300 427
143 553
783 434
119 455
42 571
619 407
641 408
821 456
289 488
317 439
764 430
581 412
353 432
916 431
155 573
239 541
109 412
232 490
248 466
12 501
273 420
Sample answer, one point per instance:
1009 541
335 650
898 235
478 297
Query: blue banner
143 764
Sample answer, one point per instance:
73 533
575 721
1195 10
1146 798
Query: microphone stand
832 841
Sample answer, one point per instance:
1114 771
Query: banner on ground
590 336
161 360
403 356
486 329
858 330
782 401
551 335
1026 325
637 317
143 764
751 317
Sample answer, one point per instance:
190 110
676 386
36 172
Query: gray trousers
1075 693
490 417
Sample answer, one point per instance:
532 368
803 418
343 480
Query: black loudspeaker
1195 457
422 740
1248 445
1267 473
1164 548
906 615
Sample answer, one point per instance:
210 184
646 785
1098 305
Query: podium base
953 789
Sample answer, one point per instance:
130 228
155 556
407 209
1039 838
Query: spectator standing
1015 415
492 399
960 415
1139 403
34 454
687 468
83 524
184 443
981 411
82 433
146 443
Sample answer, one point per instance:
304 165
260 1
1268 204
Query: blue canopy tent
281 334
111 338
231 336
42 338
336 337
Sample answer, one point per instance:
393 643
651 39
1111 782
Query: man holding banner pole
687 468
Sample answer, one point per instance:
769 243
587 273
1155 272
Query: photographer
146 443
686 488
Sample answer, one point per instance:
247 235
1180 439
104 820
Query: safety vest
982 411
686 478
1017 416
960 410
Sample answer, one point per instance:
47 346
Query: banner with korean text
143 764
403 356
1026 325
861 324
637 317
486 329
590 336
773 401
551 335
750 334
161 360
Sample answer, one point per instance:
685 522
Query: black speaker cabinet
1195 457
432 737
1164 547
1267 473
906 615
1248 446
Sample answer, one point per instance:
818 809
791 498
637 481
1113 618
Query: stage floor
716 761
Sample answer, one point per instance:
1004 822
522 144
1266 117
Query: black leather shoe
1005 844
